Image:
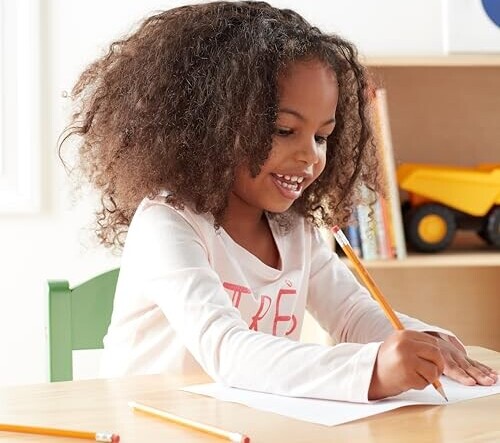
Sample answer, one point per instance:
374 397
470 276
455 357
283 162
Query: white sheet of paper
331 413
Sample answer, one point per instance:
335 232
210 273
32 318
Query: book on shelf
367 226
385 249
377 231
386 151
352 234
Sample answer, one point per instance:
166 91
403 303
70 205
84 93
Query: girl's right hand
405 360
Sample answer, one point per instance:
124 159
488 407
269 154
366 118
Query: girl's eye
283 132
320 140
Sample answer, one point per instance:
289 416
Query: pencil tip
441 391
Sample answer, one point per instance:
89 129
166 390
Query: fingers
428 373
479 372
470 372
420 382
403 362
432 354
457 365
429 362
458 373
486 369
429 351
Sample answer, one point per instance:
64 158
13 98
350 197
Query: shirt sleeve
344 307
173 265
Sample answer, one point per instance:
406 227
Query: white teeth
291 186
295 179
292 178
288 185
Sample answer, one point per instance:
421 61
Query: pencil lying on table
106 437
208 429
374 289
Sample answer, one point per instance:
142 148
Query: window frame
20 99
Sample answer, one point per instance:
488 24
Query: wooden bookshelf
445 110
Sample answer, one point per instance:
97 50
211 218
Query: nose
308 151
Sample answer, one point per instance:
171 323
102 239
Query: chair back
78 319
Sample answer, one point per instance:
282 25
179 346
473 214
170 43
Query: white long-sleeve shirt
189 299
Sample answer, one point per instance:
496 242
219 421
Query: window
20 140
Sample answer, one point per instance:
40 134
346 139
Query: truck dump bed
473 190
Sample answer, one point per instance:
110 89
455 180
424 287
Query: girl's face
308 95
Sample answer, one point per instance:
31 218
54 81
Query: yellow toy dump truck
443 199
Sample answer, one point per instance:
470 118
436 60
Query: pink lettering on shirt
282 318
237 291
265 302
259 315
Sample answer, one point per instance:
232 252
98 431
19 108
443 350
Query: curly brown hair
192 93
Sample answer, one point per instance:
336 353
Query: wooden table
99 405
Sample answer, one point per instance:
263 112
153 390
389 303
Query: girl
221 136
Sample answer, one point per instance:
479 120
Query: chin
278 209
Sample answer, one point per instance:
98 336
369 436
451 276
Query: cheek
275 159
242 179
277 150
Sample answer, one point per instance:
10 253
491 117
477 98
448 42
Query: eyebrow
301 117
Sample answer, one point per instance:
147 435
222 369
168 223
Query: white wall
56 242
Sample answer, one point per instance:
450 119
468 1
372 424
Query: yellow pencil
96 436
212 430
374 289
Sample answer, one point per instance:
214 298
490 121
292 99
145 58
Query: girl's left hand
465 370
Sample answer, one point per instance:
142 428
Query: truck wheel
430 227
491 228
405 208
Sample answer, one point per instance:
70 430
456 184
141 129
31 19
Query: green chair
78 319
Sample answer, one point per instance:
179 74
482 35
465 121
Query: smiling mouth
290 185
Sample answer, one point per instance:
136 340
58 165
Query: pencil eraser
245 439
335 229
115 438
